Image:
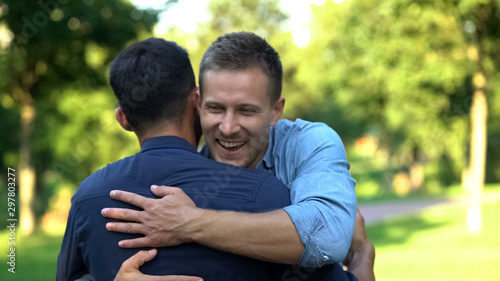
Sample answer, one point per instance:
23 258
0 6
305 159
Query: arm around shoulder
323 197
269 236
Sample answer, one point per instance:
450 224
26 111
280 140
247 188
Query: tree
54 48
395 66
417 72
482 23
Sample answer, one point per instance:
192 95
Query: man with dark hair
240 79
154 83
134 73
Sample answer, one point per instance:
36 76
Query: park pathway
379 211
376 212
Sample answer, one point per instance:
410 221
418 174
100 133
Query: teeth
231 144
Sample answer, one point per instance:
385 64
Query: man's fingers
162 190
130 269
125 227
173 278
132 264
137 260
121 214
136 243
129 197
149 256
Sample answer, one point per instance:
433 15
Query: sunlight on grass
437 246
36 258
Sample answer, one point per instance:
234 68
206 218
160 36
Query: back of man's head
152 80
241 51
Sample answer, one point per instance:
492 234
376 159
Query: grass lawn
436 246
36 257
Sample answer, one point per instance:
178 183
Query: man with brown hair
241 103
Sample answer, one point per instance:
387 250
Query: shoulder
303 127
272 194
103 180
305 133
317 133
312 142
226 178
235 174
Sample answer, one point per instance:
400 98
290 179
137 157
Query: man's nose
229 124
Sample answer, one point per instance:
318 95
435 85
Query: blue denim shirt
310 159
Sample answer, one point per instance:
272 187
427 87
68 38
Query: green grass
456 190
449 192
36 257
436 246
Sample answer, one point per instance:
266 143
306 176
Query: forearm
362 265
361 257
267 236
325 233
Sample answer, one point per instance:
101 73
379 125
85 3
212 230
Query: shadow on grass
400 231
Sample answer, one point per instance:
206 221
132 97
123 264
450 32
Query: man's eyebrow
212 103
253 106
241 105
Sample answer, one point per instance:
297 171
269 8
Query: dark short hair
240 51
152 80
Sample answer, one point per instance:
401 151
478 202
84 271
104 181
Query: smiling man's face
236 115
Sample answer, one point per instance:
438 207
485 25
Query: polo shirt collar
167 142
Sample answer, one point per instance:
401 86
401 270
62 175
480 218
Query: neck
185 130
182 131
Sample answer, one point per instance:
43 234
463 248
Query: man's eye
247 111
214 109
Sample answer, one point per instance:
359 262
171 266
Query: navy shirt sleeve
70 264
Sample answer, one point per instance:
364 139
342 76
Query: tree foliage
403 71
55 56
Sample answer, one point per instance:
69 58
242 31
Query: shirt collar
167 142
267 160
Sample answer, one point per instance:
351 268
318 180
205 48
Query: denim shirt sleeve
323 199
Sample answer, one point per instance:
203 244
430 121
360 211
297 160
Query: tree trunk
26 169
473 179
417 176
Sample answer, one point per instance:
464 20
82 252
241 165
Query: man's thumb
137 260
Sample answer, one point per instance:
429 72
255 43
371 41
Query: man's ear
198 99
122 119
278 110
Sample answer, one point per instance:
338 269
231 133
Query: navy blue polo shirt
88 247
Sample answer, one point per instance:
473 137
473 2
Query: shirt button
325 258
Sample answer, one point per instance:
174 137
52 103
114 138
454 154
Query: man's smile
231 145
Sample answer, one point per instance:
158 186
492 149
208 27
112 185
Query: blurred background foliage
393 78
397 79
